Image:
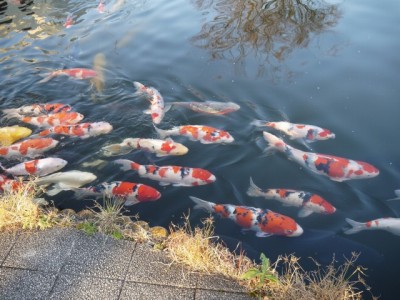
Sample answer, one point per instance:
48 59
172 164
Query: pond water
330 64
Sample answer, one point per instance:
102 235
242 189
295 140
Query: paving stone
150 266
25 284
219 283
215 295
99 255
7 240
82 287
142 291
42 250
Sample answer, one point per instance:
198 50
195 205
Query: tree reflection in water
267 30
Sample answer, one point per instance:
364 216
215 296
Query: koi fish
37 167
101 7
203 134
61 118
76 73
28 148
131 193
264 222
69 22
334 167
208 107
9 135
7 185
308 133
38 109
310 203
81 130
391 225
166 175
156 101
159 147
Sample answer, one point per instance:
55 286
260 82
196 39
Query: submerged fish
99 63
264 222
69 21
76 73
336 168
28 148
308 133
310 203
37 167
61 118
38 109
156 101
81 130
166 175
159 147
391 225
131 193
397 193
9 135
203 134
209 107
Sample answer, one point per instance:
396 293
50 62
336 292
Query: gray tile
24 284
219 283
215 295
81 287
99 255
41 250
135 290
150 266
7 240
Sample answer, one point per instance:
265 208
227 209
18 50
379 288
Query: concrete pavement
64 263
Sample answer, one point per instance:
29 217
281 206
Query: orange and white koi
203 134
129 192
37 167
264 222
81 130
309 202
334 167
75 73
166 175
308 133
156 101
50 120
159 147
28 148
391 225
38 109
208 107
7 185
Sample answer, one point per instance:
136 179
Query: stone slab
7 240
135 290
219 283
215 295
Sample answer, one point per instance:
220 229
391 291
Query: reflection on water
269 31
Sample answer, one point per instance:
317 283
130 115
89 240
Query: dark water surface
335 65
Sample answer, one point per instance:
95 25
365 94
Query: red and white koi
28 148
37 167
8 185
309 202
38 109
81 130
264 222
156 101
203 134
159 147
308 133
101 7
69 21
166 175
209 107
334 167
391 225
75 73
129 192
50 120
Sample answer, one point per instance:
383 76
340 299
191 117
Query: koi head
273 223
365 170
174 148
203 176
98 128
325 135
318 204
147 193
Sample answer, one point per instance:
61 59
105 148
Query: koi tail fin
254 190
397 193
356 226
47 77
258 123
10 114
139 88
274 143
202 204
58 188
126 164
162 133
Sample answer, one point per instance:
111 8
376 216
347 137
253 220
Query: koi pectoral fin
304 212
263 234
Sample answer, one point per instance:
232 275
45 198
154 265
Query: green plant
117 235
262 273
88 227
